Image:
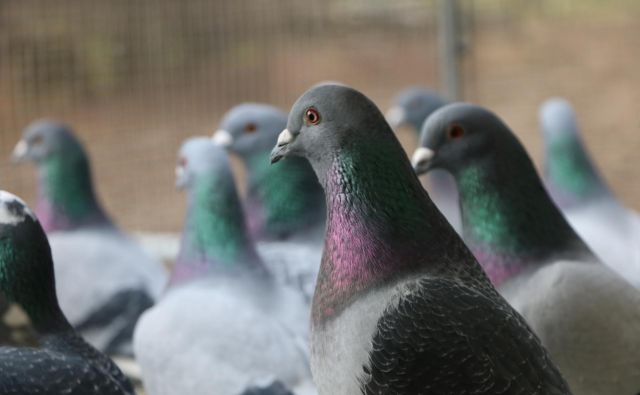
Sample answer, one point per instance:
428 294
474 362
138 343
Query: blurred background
135 77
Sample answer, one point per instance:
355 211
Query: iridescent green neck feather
570 172
215 238
508 218
282 199
66 196
26 277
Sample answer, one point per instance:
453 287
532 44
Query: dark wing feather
27 371
447 338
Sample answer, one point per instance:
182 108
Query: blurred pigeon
401 306
223 325
578 188
285 204
62 363
586 315
105 281
412 107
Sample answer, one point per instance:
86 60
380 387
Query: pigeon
578 188
401 306
412 107
223 326
586 315
285 204
61 362
105 280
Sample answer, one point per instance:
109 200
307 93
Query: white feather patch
9 215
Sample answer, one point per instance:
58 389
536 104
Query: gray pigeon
586 315
61 362
105 280
578 188
223 326
401 306
411 107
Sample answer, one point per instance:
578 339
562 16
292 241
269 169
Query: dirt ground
512 68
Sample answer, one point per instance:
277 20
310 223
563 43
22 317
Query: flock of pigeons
494 282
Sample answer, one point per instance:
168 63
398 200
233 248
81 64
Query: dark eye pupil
251 127
456 132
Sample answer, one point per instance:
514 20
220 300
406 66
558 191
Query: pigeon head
26 268
327 119
412 106
570 173
199 160
45 140
215 235
456 136
509 220
66 198
250 128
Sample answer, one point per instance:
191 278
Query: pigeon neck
215 239
66 199
570 174
381 226
509 221
26 278
283 199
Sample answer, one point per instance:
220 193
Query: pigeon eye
312 116
250 128
182 162
455 131
37 140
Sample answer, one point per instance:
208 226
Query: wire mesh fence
136 77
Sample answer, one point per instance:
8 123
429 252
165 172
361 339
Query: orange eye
455 131
182 162
312 116
250 128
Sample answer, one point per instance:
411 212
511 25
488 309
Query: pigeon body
285 205
61 362
223 325
104 279
585 314
401 306
578 188
411 107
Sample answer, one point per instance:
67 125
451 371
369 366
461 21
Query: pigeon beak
180 178
396 116
222 138
422 160
20 152
279 151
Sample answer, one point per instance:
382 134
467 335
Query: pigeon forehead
467 115
13 210
248 112
46 126
333 102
